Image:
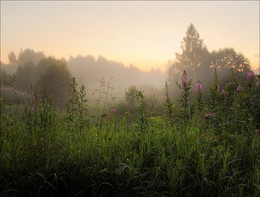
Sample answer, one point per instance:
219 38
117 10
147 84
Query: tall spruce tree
193 59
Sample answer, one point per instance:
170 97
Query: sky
146 34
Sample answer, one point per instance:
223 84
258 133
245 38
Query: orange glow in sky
145 34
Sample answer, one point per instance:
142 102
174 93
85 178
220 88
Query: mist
33 68
88 71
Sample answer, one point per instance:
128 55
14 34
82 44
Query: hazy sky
146 34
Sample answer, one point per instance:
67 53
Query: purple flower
113 110
209 115
34 108
198 87
218 88
257 131
223 92
107 117
184 79
250 76
167 98
240 88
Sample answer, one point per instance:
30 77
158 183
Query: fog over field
129 98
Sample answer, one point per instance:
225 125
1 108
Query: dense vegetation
199 138
192 147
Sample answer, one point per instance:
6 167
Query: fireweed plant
169 104
199 96
77 108
185 92
143 122
51 153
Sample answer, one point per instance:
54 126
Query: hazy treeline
32 68
200 63
88 71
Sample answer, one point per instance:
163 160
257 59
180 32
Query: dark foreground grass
200 149
111 161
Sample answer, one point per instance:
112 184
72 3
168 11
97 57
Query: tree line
200 64
32 68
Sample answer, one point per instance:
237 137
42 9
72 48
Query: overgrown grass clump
211 148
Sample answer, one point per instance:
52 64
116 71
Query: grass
47 153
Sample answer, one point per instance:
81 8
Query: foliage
130 95
55 79
30 56
77 109
193 58
228 62
47 153
169 104
12 58
25 76
199 62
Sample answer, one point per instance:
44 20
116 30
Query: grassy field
197 148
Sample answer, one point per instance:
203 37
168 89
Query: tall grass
48 153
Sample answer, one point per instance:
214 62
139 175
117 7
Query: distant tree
29 55
227 61
12 58
130 95
3 78
193 58
55 78
25 76
200 64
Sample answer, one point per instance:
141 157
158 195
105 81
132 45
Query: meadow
193 146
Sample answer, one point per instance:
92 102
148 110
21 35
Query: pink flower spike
257 131
223 92
198 87
107 117
218 88
250 76
184 79
113 110
34 108
240 88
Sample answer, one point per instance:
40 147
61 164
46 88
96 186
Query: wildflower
218 88
223 92
240 88
209 115
198 87
250 76
107 117
167 98
113 110
227 122
34 108
184 79
257 131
